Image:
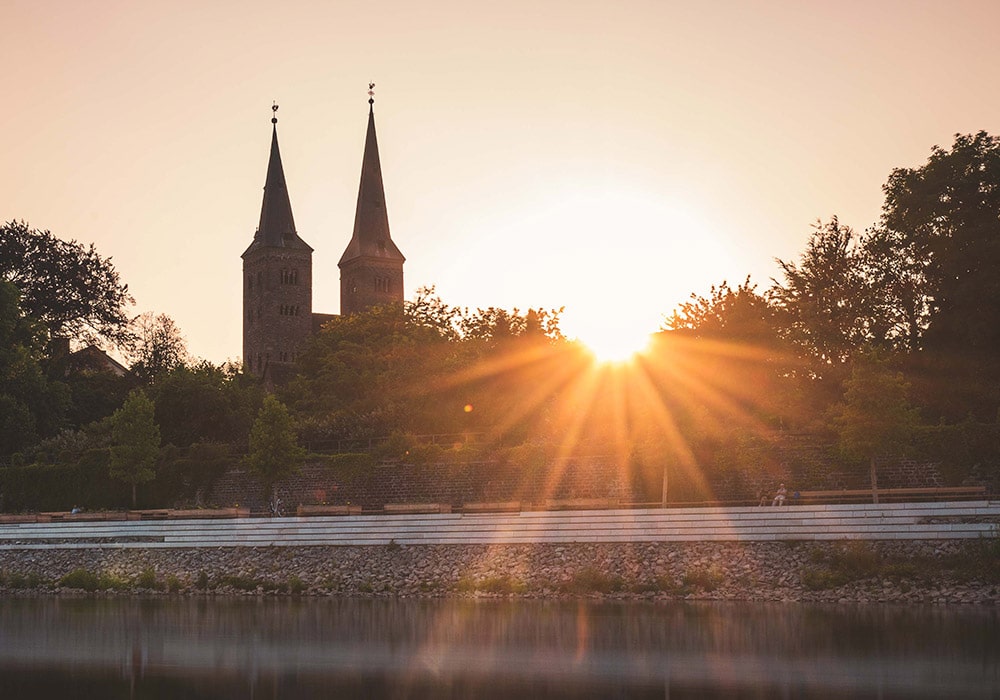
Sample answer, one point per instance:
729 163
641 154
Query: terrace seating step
416 508
304 510
932 492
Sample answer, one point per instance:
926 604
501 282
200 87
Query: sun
615 345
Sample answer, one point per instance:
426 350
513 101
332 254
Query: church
278 317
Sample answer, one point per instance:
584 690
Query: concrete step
855 521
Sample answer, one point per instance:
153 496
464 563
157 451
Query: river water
388 648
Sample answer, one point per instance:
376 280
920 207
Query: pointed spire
371 220
277 226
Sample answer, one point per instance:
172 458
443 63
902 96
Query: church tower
371 269
277 279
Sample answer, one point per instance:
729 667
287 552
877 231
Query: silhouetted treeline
882 343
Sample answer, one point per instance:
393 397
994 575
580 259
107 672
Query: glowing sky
609 157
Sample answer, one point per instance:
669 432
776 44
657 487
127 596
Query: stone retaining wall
772 571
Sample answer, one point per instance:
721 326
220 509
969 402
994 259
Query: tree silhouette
135 441
875 418
274 453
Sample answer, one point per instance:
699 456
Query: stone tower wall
277 305
368 282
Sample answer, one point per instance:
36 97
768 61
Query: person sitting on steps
779 496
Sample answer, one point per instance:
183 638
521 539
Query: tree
730 344
734 315
943 220
205 403
159 346
68 287
31 405
896 290
875 418
429 311
361 369
823 301
274 453
135 441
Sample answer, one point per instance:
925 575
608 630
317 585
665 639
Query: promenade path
893 521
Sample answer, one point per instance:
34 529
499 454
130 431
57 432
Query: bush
36 487
240 583
19 581
706 579
495 584
978 559
591 580
397 447
843 564
147 579
664 583
249 583
81 579
424 454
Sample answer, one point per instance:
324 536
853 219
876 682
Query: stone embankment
902 572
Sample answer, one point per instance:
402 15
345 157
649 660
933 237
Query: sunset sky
609 157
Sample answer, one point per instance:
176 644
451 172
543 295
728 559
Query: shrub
147 579
978 559
295 585
18 580
396 447
664 583
821 579
591 580
492 584
424 454
843 564
240 583
174 584
707 579
202 581
81 579
108 581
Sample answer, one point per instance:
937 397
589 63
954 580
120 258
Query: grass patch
705 579
591 580
844 564
20 581
85 580
80 579
661 584
492 584
978 560
147 580
249 583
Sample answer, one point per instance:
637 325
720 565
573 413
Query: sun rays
642 415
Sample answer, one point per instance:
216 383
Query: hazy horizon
611 158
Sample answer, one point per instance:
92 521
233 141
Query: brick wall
799 462
454 484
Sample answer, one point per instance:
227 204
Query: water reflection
312 648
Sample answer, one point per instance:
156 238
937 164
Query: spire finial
274 111
371 93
